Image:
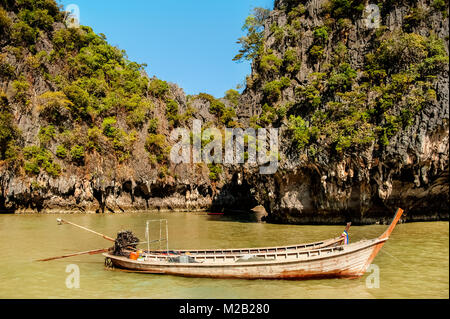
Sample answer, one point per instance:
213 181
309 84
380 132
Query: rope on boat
404 264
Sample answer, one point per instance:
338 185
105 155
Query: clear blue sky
188 42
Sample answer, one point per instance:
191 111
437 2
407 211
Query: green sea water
414 263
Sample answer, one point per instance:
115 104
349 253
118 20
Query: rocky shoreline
316 220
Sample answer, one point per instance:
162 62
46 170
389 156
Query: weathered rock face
102 184
363 185
88 193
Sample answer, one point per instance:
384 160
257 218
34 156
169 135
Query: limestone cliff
360 151
361 101
82 127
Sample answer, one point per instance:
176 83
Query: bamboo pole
89 252
59 220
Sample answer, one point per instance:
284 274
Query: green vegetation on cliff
252 42
339 107
9 135
92 98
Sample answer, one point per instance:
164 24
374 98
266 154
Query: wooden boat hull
350 261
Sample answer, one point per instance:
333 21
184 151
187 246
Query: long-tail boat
350 260
339 240
332 242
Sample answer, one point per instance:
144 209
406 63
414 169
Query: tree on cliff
251 43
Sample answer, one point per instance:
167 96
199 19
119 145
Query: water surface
414 263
